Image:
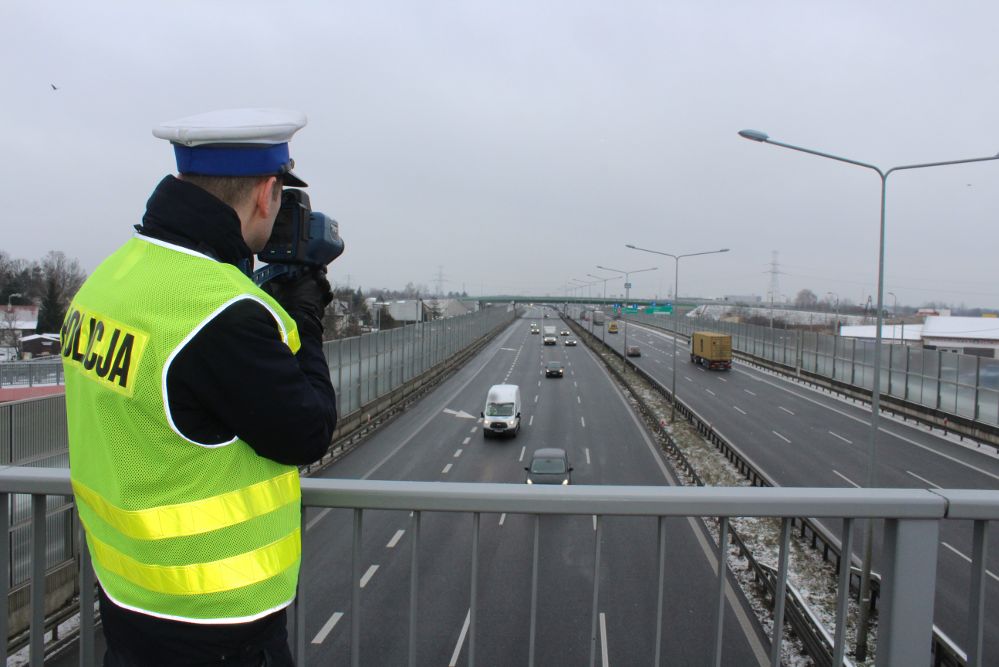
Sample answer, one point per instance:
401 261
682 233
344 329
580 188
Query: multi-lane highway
802 437
441 439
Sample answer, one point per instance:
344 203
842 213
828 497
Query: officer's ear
267 196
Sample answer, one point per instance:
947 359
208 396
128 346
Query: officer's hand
308 294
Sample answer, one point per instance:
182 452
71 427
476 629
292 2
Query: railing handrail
604 500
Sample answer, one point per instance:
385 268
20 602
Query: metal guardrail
30 373
911 530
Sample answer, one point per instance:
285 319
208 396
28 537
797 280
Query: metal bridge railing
911 527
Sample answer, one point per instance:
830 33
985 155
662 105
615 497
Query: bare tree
61 278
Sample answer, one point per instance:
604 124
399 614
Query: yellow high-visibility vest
198 532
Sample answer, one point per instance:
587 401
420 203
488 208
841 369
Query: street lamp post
894 312
9 297
676 296
865 578
836 310
627 298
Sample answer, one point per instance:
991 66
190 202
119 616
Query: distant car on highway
550 340
554 369
549 465
633 351
570 342
612 327
565 332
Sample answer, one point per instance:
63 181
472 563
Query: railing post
4 572
907 591
37 632
87 629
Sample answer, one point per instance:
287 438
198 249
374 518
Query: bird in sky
53 86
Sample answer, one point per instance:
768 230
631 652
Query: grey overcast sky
513 146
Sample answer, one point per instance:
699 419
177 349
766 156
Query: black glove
307 294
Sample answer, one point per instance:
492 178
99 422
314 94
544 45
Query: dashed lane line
530 422
710 392
458 452
522 450
582 421
395 539
781 437
579 400
446 470
603 639
367 575
587 456
785 410
924 480
465 441
738 409
967 559
461 641
847 479
327 628
749 392
837 435
502 518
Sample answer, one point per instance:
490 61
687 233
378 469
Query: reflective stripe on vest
202 578
199 516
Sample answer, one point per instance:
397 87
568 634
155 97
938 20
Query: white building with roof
964 335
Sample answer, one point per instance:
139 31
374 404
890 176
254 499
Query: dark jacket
234 377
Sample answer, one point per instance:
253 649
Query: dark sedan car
554 369
570 342
549 466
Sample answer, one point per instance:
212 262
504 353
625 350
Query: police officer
192 395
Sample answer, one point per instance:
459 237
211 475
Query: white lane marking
446 470
395 539
967 559
473 430
465 441
781 437
575 384
530 422
710 392
326 629
458 453
603 639
316 519
848 480
688 378
594 522
785 410
723 379
579 400
536 397
749 392
866 422
502 518
539 383
738 409
658 361
924 480
587 456
461 641
367 575
522 450
837 435
582 421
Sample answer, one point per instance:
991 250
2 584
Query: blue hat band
245 160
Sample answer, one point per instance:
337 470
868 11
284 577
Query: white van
501 415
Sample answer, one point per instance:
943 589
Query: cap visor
289 178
